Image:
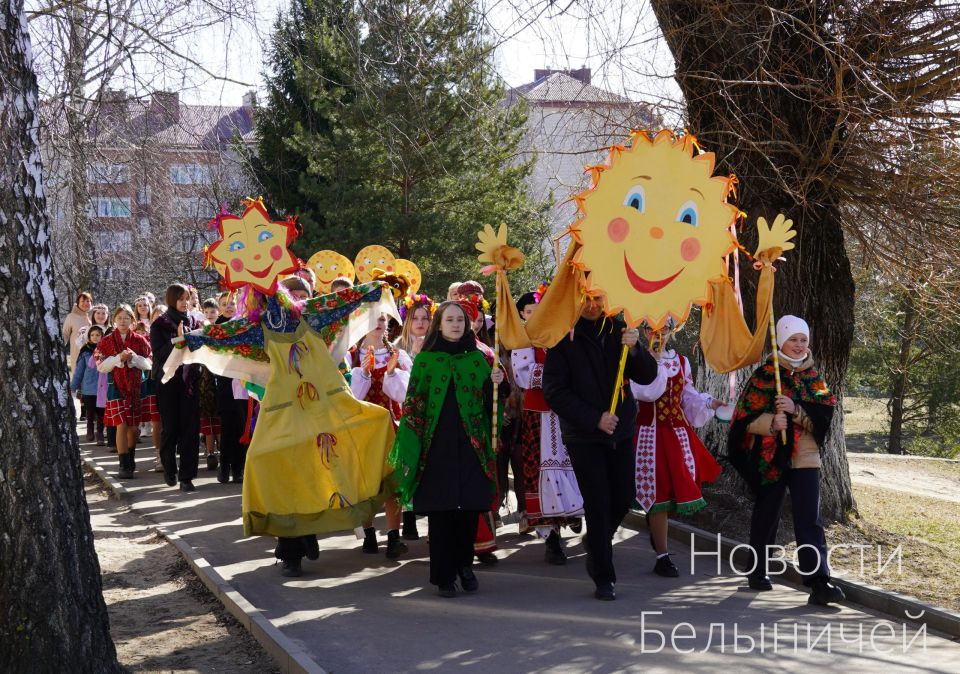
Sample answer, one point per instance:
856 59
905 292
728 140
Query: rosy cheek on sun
276 252
236 264
690 249
617 229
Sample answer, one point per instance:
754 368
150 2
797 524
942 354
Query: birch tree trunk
52 614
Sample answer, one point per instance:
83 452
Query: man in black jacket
578 379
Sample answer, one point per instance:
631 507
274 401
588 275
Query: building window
190 174
102 173
144 195
112 241
110 207
144 226
191 208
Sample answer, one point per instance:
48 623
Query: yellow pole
776 361
619 384
496 364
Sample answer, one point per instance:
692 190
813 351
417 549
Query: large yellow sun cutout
654 228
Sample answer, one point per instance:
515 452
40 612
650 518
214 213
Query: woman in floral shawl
443 454
802 414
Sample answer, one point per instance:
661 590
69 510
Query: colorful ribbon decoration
325 444
309 390
297 350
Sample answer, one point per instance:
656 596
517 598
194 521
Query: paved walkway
353 612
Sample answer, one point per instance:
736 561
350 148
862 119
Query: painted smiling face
373 257
655 228
328 265
254 249
412 272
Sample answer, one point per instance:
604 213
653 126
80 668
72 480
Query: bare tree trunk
772 139
900 378
52 614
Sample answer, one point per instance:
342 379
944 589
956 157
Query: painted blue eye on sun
235 246
636 198
263 236
688 213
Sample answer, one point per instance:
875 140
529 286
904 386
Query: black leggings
179 428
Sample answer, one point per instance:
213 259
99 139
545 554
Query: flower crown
539 292
478 301
410 302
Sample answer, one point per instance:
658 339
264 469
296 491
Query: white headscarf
787 327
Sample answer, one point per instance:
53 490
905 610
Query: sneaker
468 580
760 583
824 593
447 591
409 530
370 545
395 547
488 559
605 592
553 552
223 472
291 569
187 486
665 567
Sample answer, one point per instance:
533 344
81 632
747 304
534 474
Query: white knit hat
788 326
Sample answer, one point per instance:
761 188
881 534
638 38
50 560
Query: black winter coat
579 374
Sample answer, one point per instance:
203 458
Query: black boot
395 547
823 592
554 554
370 540
126 471
410 526
665 567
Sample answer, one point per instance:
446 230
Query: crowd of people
575 459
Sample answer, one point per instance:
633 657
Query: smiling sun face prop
412 272
328 265
253 250
373 257
654 228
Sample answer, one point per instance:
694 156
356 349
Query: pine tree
390 121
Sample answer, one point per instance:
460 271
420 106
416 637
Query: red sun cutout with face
253 250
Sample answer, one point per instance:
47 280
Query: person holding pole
799 406
580 374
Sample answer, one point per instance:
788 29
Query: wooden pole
776 361
619 384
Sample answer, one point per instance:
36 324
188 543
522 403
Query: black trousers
179 428
508 454
94 416
605 473
452 533
804 486
293 549
233 421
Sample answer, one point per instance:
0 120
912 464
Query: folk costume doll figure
380 374
416 310
671 461
804 411
551 495
177 398
443 453
125 356
485 545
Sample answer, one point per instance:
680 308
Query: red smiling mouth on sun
261 274
642 285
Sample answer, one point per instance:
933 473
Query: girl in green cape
443 456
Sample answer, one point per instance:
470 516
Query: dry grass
865 424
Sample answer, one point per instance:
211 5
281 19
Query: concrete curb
901 608
289 657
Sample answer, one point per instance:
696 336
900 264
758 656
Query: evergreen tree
387 124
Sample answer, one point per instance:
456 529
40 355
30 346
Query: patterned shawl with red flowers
761 460
127 379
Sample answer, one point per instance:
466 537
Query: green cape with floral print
432 373
762 460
